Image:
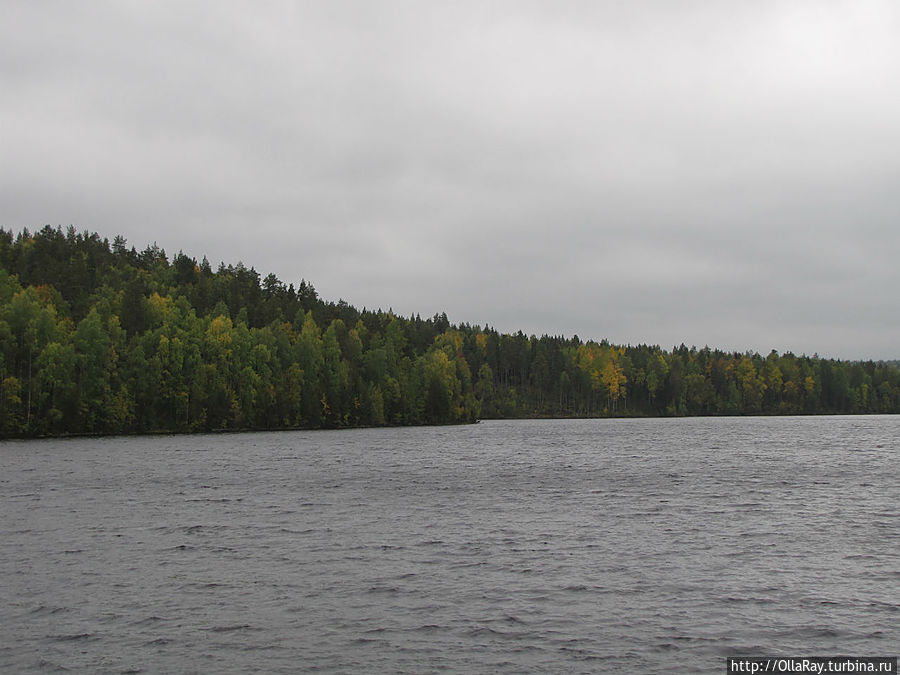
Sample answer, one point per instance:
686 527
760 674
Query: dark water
634 546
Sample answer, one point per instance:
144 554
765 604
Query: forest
97 337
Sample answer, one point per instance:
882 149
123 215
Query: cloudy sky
706 172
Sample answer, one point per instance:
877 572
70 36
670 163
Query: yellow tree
753 386
613 377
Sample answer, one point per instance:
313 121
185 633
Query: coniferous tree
98 338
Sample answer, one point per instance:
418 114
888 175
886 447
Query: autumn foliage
96 337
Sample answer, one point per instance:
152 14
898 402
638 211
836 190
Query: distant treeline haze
96 337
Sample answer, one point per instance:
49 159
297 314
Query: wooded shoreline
98 338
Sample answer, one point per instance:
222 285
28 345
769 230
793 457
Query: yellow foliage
12 391
159 307
450 338
481 341
614 377
219 334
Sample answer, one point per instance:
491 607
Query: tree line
97 337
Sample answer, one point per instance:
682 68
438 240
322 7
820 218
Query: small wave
150 620
49 666
748 600
44 610
230 629
885 606
459 565
158 642
383 589
582 654
481 631
261 648
211 584
73 637
812 632
486 631
693 638
367 641
576 588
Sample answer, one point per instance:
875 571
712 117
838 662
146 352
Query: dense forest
96 337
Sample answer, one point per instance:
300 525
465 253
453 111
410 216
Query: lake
632 546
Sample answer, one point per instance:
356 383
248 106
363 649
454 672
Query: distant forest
97 337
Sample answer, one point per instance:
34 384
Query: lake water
632 546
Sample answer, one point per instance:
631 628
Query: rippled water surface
631 546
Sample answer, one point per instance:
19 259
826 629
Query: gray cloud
700 172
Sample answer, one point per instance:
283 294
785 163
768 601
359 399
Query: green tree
312 363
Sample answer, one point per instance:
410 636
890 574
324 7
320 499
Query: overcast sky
707 172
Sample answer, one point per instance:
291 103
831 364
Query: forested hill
96 337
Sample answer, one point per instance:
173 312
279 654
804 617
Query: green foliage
99 338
